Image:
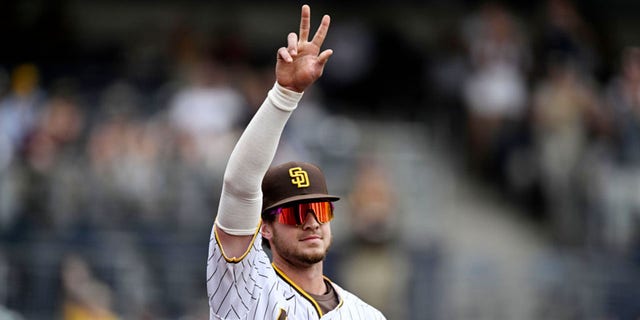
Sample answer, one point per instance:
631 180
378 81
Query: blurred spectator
207 111
126 158
623 98
104 148
111 191
85 297
203 116
19 110
444 84
63 123
371 252
373 262
622 180
138 173
45 185
495 93
565 106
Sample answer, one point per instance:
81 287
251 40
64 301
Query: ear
267 230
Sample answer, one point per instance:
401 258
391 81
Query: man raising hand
288 206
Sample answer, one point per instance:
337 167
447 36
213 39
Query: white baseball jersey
252 288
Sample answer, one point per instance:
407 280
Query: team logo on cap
299 177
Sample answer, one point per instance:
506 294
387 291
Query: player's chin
313 256
314 249
316 246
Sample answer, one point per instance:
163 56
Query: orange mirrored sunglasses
296 214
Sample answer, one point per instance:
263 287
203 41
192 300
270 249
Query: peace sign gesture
301 62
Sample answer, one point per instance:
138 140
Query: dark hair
267 217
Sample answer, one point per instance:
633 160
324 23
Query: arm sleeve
241 199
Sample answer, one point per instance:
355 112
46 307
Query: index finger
305 21
321 34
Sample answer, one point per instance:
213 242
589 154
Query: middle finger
305 22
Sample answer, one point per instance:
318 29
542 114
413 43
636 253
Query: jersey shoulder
350 300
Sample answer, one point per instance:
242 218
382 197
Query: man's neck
308 278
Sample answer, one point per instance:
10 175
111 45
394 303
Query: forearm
241 199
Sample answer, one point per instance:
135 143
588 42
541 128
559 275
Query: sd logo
299 177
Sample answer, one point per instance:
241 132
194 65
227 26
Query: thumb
324 56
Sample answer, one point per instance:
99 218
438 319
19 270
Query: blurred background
488 153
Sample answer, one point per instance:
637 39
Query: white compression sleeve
241 199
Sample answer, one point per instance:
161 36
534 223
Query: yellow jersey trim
340 301
234 259
300 290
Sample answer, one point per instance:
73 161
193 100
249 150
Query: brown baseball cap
291 182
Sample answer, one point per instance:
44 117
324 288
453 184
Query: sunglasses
296 214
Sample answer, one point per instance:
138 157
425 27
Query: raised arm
298 65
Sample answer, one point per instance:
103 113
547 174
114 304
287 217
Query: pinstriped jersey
250 287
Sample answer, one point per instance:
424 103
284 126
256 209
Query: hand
301 63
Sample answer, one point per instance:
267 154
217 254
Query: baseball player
286 206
